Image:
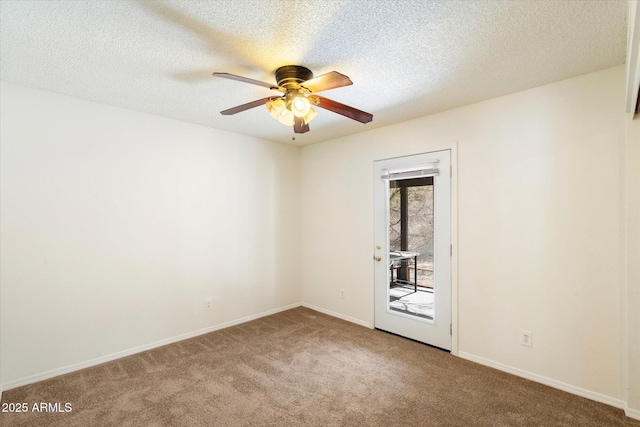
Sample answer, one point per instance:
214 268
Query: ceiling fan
295 106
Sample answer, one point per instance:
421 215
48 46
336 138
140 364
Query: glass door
413 238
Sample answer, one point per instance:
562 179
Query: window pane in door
411 290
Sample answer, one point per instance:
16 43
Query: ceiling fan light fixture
285 112
276 107
300 106
279 111
287 118
310 115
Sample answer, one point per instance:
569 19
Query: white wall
631 236
116 226
539 208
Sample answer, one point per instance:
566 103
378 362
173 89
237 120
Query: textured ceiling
407 58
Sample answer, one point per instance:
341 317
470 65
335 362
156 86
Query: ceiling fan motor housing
290 76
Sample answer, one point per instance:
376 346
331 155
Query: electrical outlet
208 303
526 338
341 293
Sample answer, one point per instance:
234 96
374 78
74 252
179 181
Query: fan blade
327 81
246 80
345 110
247 106
299 126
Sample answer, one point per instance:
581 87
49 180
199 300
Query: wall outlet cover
526 338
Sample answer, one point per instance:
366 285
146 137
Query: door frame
453 147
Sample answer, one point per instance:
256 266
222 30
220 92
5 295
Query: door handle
377 258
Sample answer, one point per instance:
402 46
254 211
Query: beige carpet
301 368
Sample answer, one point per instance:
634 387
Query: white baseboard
632 413
338 315
82 365
544 380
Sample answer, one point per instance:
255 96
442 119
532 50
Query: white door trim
454 248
